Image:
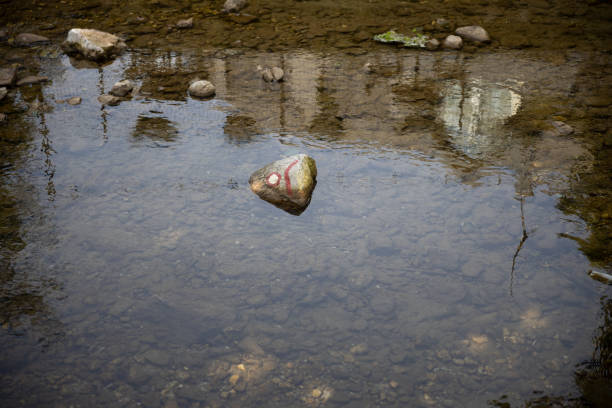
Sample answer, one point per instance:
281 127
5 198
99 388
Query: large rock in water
287 183
473 33
93 44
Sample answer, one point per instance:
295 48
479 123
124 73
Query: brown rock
122 88
272 74
183 24
432 44
242 18
3 118
473 33
75 100
3 93
8 76
31 80
28 39
109 100
286 183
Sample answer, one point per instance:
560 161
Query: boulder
109 100
452 42
201 89
3 93
8 76
473 33
287 183
93 44
122 88
28 39
31 80
274 74
234 6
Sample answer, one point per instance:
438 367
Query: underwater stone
287 183
28 39
8 76
93 44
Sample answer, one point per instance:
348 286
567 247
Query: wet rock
287 183
3 118
442 24
122 88
234 6
109 100
193 392
28 39
272 74
3 34
3 93
201 89
452 42
8 76
157 357
473 33
242 18
598 101
558 128
184 24
31 80
432 44
93 44
75 100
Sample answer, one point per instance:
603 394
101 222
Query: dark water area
455 251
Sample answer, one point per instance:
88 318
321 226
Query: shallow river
443 261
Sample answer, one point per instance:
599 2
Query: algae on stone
417 40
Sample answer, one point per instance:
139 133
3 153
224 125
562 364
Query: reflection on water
181 287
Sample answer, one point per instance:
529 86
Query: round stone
201 89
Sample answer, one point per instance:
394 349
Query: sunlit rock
184 24
75 100
28 39
93 44
274 74
109 100
452 42
287 183
234 6
201 89
122 88
473 33
3 93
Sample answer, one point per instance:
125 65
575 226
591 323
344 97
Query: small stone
473 33
272 74
201 89
266 74
287 183
242 18
3 117
28 39
93 44
122 88
234 6
480 339
394 384
8 76
234 379
3 93
75 100
452 42
183 24
31 80
109 100
432 44
316 393
359 349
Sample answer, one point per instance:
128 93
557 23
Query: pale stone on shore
93 44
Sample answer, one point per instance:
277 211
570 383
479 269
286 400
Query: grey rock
432 44
201 89
3 93
75 100
93 44
109 100
157 357
183 24
28 39
31 80
8 76
452 42
122 88
234 6
558 128
473 33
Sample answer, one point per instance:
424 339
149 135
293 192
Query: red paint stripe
287 179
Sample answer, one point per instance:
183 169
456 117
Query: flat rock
75 100
31 80
109 100
452 42
93 44
473 33
122 88
201 89
287 183
234 6
28 39
3 92
183 24
242 18
8 76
